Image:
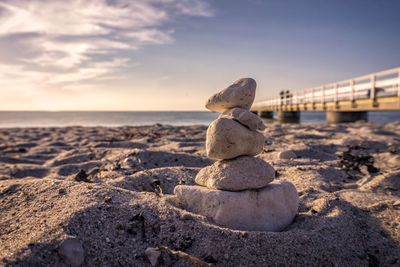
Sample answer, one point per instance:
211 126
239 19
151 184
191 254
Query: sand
111 188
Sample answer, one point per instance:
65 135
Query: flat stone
287 154
239 94
271 208
228 139
244 117
71 251
152 254
236 174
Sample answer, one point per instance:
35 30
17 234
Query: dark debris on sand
355 157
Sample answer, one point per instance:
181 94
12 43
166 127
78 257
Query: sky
132 55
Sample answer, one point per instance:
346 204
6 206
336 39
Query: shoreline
123 203
118 119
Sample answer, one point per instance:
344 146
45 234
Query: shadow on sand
327 231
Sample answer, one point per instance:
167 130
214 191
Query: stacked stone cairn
236 191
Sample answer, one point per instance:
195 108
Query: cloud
57 42
94 70
194 8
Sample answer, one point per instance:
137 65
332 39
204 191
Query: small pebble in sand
71 251
128 163
153 254
82 176
287 154
186 217
61 191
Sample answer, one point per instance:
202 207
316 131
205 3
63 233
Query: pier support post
289 116
346 116
266 114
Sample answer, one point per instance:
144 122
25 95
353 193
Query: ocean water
100 118
373 116
136 118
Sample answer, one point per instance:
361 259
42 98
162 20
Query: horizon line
105 110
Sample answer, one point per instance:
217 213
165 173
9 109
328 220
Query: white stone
236 174
71 251
227 139
128 163
239 94
271 208
287 154
245 117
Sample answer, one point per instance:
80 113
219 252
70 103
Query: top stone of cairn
239 94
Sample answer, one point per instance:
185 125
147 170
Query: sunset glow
171 54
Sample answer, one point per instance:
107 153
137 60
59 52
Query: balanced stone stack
236 191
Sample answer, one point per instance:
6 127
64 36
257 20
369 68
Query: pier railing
373 86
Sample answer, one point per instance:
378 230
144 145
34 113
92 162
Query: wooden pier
343 101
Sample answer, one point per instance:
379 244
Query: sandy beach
112 189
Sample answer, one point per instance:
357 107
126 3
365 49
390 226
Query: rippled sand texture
111 188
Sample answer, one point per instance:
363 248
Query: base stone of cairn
236 191
270 208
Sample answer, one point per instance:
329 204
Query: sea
10 119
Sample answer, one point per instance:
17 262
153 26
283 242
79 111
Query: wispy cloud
56 42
